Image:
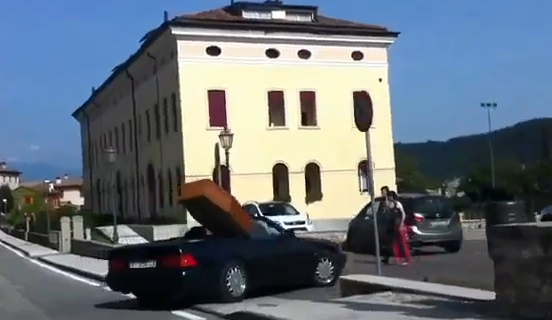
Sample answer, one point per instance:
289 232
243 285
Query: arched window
126 198
313 183
118 193
178 181
170 189
133 194
280 183
363 180
161 183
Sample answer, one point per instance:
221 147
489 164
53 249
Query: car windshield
278 209
430 207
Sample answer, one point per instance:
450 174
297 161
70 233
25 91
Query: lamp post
226 138
46 192
490 106
111 157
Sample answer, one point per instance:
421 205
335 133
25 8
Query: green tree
409 177
6 194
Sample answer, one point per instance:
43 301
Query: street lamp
46 193
226 138
111 158
490 106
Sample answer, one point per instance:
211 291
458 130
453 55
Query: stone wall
522 255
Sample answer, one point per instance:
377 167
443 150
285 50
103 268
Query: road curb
16 248
78 272
351 287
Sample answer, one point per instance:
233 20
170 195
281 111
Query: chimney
58 180
3 165
93 90
66 176
165 16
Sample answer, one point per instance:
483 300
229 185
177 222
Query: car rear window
278 209
429 207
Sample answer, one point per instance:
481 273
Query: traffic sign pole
364 115
371 189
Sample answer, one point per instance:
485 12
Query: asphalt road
29 291
32 292
471 267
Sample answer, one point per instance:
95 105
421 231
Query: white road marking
178 313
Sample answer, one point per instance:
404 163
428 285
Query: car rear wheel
453 246
326 271
234 282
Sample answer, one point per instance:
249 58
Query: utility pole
489 106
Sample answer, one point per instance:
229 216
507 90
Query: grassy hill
522 142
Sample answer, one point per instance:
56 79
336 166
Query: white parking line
178 313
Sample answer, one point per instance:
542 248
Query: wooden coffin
215 209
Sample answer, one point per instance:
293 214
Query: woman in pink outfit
397 209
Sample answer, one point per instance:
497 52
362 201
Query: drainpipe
161 121
135 133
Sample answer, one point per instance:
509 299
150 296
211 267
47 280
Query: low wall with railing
50 241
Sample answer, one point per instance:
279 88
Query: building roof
7 171
230 18
64 183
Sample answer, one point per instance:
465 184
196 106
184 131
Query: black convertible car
220 266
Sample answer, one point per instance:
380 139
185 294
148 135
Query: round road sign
363 109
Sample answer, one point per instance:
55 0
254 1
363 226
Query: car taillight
418 217
182 260
116 265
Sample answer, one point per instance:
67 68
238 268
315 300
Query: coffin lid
215 209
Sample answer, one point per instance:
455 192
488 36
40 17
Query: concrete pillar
78 227
65 237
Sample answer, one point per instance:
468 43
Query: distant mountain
522 142
40 170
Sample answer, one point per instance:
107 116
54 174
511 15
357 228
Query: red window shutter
308 100
275 99
217 108
28 200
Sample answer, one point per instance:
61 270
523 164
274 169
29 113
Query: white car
282 213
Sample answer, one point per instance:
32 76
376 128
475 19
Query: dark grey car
430 220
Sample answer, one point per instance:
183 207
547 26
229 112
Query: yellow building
282 78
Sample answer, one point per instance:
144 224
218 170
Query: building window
148 126
276 109
213 51
157 116
166 115
308 108
170 193
363 183
123 137
357 55
110 137
174 112
217 108
280 183
116 133
304 54
133 193
313 183
178 181
272 53
130 135
161 183
104 141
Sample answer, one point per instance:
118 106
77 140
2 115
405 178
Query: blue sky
450 56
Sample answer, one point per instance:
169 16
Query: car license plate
437 224
143 265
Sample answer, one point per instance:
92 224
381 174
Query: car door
267 255
299 258
362 227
